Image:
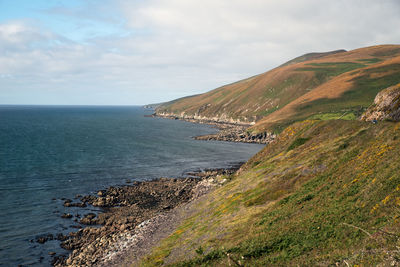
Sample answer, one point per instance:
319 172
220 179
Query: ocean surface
53 152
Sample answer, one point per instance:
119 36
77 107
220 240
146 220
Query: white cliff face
386 105
218 119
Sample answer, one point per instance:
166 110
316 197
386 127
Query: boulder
386 106
88 219
66 216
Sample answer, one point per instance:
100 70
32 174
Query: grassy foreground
324 193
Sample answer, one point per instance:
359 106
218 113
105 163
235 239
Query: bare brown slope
265 95
311 56
335 95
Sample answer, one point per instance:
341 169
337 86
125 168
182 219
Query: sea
49 153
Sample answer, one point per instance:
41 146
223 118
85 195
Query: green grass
298 142
334 116
370 60
324 71
302 201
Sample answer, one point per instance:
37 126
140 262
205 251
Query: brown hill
311 56
333 85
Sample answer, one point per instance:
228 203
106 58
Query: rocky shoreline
238 134
228 131
133 218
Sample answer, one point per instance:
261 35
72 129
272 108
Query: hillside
324 193
316 85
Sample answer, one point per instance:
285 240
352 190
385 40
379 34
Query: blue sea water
53 152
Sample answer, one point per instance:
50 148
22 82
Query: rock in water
66 216
386 105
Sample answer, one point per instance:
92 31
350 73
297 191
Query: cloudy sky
148 51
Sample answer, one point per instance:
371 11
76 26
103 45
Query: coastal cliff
223 119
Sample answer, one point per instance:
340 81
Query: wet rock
88 199
79 204
66 216
43 239
58 260
61 237
88 219
67 202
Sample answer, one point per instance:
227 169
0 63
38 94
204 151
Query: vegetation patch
298 142
326 70
370 60
334 116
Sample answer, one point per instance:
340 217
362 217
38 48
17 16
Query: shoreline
128 227
228 131
134 218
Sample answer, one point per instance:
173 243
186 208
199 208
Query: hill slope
323 193
312 85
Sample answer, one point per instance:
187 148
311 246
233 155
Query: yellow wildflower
398 201
386 199
375 208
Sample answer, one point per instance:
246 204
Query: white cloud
180 47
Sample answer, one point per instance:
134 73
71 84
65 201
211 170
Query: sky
104 52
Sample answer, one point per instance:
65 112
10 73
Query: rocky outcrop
239 134
386 106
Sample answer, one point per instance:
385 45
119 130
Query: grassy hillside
331 85
346 94
323 193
